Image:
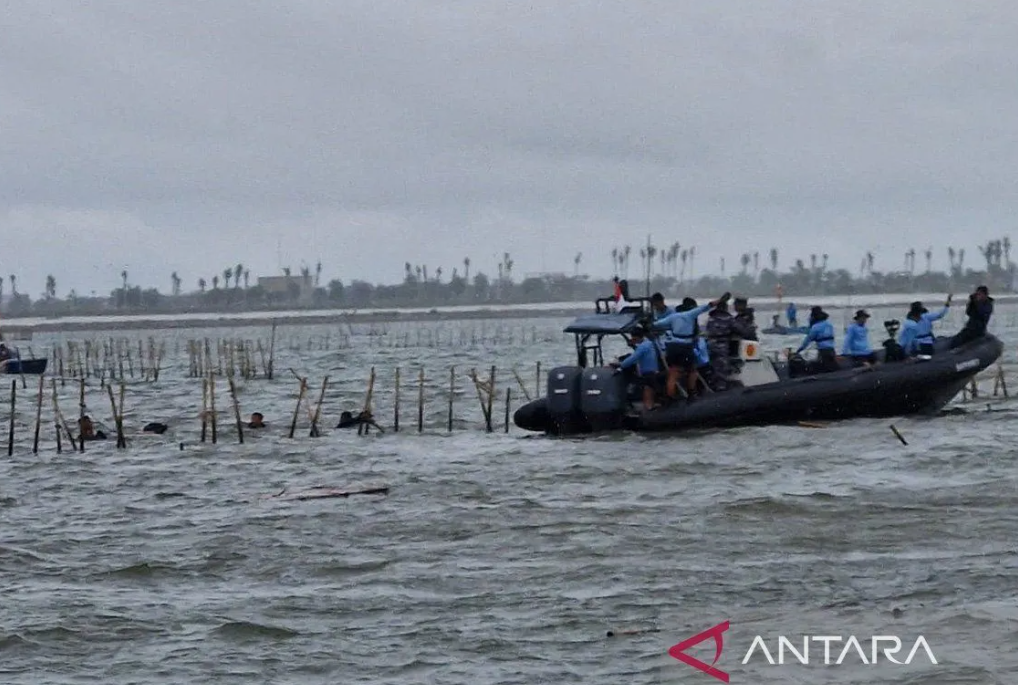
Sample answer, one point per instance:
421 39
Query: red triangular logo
678 651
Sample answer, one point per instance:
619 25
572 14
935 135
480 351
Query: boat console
756 369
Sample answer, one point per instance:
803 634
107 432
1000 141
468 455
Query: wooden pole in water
523 387
204 407
236 412
395 416
38 415
10 428
420 401
56 414
272 354
508 399
296 410
537 386
491 399
81 412
212 405
121 440
321 398
113 405
452 392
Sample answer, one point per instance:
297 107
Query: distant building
282 285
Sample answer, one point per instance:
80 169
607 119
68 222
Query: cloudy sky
190 136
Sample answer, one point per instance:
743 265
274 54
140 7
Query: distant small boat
32 367
16 365
786 330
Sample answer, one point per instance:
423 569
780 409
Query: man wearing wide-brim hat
856 346
917 331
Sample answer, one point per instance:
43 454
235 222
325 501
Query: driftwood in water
327 493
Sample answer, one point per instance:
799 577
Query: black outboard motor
563 401
603 393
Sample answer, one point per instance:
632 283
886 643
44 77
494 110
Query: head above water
257 419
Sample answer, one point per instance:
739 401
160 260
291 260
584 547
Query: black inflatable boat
594 398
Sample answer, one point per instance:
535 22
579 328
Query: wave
240 630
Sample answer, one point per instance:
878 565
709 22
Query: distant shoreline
14 328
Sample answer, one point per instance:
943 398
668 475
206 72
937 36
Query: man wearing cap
979 311
917 331
857 341
644 359
821 332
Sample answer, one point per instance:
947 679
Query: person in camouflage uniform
744 321
720 331
743 328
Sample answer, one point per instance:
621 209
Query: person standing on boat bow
856 345
979 310
680 353
917 331
821 332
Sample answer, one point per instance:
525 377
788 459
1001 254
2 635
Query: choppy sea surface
495 557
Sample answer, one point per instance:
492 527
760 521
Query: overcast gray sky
190 136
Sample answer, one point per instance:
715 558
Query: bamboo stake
491 399
395 417
420 401
363 428
508 398
236 412
296 410
537 386
452 392
272 353
56 414
121 440
212 406
478 385
81 413
10 428
321 399
113 405
38 416
519 380
204 407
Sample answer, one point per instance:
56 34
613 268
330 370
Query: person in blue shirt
680 349
856 345
790 312
821 333
642 364
658 307
917 331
